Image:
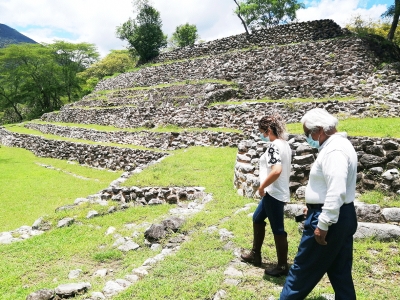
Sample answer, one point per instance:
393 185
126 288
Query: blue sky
95 21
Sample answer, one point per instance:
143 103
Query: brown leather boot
254 256
281 245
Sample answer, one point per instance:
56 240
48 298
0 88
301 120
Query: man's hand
305 210
320 235
261 192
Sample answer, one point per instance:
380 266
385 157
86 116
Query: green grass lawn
31 190
369 127
167 128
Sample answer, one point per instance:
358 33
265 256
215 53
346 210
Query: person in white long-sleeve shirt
327 242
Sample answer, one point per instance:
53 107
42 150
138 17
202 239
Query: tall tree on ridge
144 34
184 35
266 13
237 12
393 11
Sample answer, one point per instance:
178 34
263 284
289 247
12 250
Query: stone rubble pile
278 35
154 236
120 198
328 68
177 95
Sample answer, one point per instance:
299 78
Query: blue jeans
314 260
270 208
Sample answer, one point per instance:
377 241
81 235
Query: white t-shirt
278 153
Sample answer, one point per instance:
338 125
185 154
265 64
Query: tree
237 11
267 13
117 61
144 33
38 74
368 26
36 78
73 58
184 35
393 11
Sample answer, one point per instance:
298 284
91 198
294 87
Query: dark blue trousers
271 208
314 260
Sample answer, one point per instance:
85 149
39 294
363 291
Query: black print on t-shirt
273 154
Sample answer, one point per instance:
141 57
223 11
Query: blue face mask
263 138
311 142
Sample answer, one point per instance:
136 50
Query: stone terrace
323 68
176 95
343 67
242 117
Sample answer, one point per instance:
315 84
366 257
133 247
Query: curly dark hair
274 122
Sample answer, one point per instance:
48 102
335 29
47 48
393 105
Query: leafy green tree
73 58
38 76
117 61
184 35
266 13
35 78
144 34
11 93
394 12
368 26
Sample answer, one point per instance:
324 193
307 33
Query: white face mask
312 143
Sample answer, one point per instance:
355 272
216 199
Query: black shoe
253 258
278 271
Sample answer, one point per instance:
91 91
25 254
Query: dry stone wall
176 95
278 35
159 140
113 158
242 117
378 164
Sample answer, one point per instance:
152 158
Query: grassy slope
368 127
31 190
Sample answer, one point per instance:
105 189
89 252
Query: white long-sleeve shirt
332 180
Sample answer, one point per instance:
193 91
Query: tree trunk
240 17
395 20
17 112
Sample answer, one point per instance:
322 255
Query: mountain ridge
10 35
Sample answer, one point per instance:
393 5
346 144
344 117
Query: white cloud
95 21
341 11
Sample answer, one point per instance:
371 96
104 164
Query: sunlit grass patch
368 127
35 190
380 198
109 128
195 166
24 130
84 245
